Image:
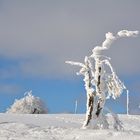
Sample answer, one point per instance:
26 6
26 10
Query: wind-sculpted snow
63 127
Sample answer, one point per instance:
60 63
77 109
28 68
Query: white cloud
42 35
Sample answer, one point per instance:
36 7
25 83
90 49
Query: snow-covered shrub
28 105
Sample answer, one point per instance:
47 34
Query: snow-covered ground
63 127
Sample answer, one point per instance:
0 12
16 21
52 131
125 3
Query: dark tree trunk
90 102
100 101
90 110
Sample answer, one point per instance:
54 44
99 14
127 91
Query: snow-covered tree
101 82
28 105
86 71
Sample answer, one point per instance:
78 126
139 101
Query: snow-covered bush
28 105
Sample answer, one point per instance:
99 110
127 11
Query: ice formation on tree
86 71
113 84
28 105
99 83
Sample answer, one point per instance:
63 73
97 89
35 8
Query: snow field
63 127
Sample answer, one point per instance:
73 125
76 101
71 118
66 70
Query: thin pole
127 102
76 104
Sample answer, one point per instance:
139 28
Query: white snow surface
63 127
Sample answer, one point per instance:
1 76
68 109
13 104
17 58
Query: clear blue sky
36 37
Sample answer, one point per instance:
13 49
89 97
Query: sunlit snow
63 127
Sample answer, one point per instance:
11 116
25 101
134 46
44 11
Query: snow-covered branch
126 33
110 38
75 63
114 85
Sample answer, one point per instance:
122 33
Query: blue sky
36 37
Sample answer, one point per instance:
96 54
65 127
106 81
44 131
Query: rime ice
28 105
101 84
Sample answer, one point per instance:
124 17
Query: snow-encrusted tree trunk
99 83
99 92
86 71
90 98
